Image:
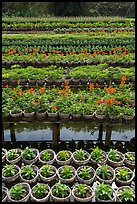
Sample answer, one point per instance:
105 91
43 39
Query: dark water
70 135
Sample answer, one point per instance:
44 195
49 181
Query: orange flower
30 90
63 92
67 87
41 90
35 104
18 82
94 54
54 107
66 82
117 102
108 101
91 86
100 101
123 79
19 52
39 100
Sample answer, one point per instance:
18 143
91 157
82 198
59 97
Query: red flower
100 101
30 90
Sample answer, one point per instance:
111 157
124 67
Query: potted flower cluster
98 156
80 157
47 173
82 193
30 155
66 174
19 193
64 157
13 156
86 174
105 173
47 156
130 160
115 158
10 173
40 192
123 176
125 194
104 193
60 192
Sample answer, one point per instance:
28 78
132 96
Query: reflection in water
70 135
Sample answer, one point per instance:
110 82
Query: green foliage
66 172
27 172
96 154
113 155
9 170
130 156
47 171
123 174
104 191
46 156
40 190
104 172
80 155
17 191
85 173
63 155
81 190
60 190
28 153
126 195
13 154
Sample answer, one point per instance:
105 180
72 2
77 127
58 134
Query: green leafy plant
66 172
85 173
46 156
104 191
27 172
80 155
28 153
13 154
126 194
9 170
60 190
81 190
47 171
18 191
104 172
97 154
130 156
113 155
63 155
123 174
40 190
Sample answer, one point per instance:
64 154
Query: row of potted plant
28 155
61 192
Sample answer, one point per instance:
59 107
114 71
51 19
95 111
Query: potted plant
16 113
98 156
60 192
125 194
86 174
13 156
104 193
130 160
123 176
4 152
82 193
47 173
115 158
30 155
47 156
4 194
105 173
64 157
80 157
10 173
40 192
66 174
19 192
29 174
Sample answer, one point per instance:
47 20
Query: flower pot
64 117
16 116
52 116
54 197
31 161
88 197
115 119
51 161
48 179
63 180
76 117
120 190
4 194
41 116
120 182
33 180
4 156
88 181
129 163
64 162
88 117
13 178
80 162
127 118
26 197
117 163
44 199
28 116
100 116
14 161
101 161
106 201
109 180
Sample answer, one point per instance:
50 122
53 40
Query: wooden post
108 134
55 133
12 133
100 132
